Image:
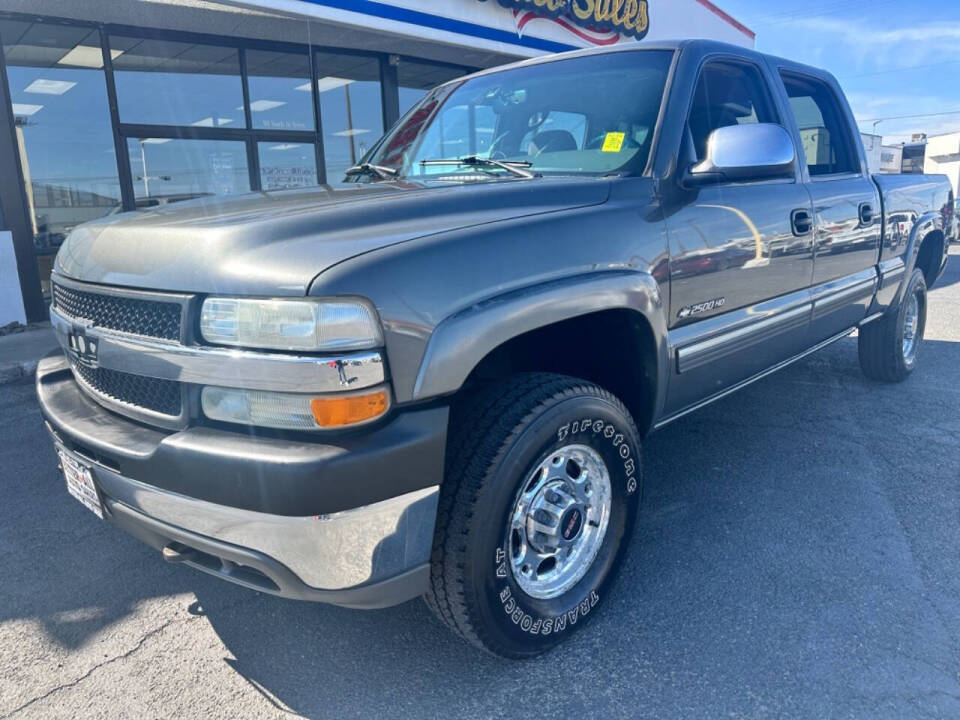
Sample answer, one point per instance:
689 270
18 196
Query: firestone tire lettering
608 431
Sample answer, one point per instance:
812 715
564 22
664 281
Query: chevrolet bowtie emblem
83 348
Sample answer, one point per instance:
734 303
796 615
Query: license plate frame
79 479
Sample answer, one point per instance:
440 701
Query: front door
741 257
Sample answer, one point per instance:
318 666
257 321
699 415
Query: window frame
840 108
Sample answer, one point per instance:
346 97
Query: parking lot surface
796 556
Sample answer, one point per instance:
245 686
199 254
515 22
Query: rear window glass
824 130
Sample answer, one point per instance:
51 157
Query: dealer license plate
80 482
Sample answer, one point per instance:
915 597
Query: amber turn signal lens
333 412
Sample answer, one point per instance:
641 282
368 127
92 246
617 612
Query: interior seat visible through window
552 141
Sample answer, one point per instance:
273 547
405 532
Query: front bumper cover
253 510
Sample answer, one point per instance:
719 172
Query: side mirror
745 153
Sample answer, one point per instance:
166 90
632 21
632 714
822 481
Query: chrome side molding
710 350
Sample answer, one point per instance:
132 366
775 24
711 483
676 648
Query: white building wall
943 158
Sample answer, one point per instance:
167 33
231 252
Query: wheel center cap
571 524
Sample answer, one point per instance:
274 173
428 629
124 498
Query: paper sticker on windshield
613 142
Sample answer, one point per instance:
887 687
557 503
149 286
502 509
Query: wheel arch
929 255
928 227
619 321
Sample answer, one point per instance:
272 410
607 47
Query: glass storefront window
167 171
417 78
161 82
63 132
351 110
280 97
287 165
65 140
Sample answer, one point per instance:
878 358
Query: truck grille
159 396
137 316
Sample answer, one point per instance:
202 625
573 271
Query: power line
909 117
832 9
900 69
777 16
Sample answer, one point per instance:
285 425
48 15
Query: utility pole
143 158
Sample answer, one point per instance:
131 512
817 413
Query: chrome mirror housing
745 153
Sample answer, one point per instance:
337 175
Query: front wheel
538 504
889 346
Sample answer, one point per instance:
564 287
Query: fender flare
928 223
461 341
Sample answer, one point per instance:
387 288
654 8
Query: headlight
293 411
305 325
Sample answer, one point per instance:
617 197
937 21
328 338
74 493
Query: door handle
801 221
866 214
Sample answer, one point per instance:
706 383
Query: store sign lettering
627 17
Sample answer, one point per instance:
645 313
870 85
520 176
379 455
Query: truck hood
276 243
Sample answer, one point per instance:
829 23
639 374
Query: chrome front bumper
327 552
373 556
348 522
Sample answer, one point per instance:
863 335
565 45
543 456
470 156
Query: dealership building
110 106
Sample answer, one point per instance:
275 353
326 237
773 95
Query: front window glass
62 131
161 82
728 94
589 115
166 171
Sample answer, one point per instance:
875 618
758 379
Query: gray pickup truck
435 379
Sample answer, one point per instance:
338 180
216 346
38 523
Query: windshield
591 115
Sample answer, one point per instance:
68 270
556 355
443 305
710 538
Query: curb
15 372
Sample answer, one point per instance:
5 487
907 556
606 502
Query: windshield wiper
380 171
514 166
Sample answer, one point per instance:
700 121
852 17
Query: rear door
846 203
740 270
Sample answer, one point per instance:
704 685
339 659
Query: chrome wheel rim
558 521
911 328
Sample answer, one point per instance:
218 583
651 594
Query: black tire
882 356
498 437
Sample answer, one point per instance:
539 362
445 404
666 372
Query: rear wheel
889 346
538 504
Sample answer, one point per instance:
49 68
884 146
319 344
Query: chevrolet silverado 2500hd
435 380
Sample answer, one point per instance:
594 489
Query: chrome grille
159 396
137 316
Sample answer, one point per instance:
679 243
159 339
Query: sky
892 57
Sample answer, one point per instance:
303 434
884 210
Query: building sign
522 28
629 18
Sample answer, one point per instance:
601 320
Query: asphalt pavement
797 557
